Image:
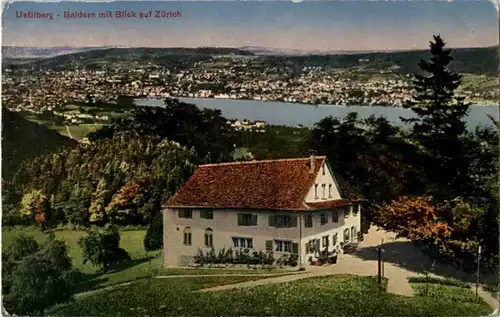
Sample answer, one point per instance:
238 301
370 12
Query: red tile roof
270 184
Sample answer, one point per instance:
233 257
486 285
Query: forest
435 183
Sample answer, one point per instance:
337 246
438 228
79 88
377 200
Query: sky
308 25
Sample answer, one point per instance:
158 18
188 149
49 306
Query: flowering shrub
288 260
230 256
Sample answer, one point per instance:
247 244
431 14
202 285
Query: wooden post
379 250
478 264
301 264
383 273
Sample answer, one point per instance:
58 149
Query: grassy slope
131 241
78 132
23 139
143 263
323 296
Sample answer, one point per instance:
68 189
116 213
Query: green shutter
295 248
272 220
240 219
309 221
269 245
254 220
203 213
307 247
335 216
182 213
293 221
318 244
206 240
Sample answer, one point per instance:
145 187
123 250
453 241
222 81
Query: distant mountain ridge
19 52
45 52
260 50
481 60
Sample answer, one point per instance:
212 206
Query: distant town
40 90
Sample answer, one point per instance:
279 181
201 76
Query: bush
37 280
288 260
20 247
12 217
102 247
230 256
437 280
154 236
37 285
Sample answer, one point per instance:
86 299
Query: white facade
331 220
325 187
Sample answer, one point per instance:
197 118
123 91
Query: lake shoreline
295 114
485 103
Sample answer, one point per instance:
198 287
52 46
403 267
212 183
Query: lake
292 114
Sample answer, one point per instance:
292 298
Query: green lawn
437 288
319 296
136 299
78 132
143 264
452 293
131 241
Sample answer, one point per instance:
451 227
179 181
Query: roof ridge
261 161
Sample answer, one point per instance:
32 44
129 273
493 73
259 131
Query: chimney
312 162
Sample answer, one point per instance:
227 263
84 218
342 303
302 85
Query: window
313 245
353 233
346 235
187 236
315 191
334 239
206 214
244 243
309 221
330 191
283 246
323 169
326 241
357 209
335 216
283 221
323 187
247 220
324 218
186 213
347 211
209 238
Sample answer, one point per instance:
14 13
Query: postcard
250 158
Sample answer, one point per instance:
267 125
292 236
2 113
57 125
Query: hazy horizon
238 47
305 26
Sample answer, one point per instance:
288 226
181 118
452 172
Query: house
284 206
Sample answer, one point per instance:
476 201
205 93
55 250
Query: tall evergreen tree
439 124
439 111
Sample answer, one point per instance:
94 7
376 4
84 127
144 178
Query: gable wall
326 179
